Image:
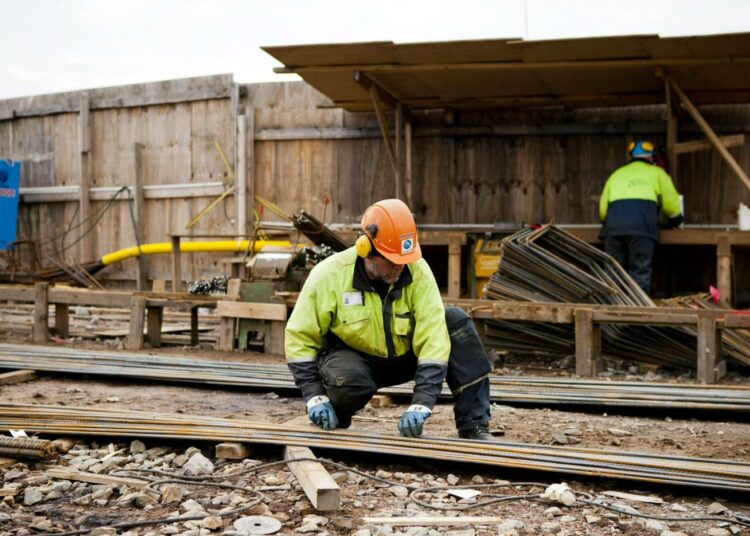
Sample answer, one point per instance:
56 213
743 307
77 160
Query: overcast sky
48 46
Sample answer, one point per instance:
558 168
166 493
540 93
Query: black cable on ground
204 480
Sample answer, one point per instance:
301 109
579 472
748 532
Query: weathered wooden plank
95 478
147 94
137 320
41 313
253 311
588 335
17 376
320 488
62 322
711 367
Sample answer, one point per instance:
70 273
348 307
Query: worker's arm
430 341
604 202
307 325
670 199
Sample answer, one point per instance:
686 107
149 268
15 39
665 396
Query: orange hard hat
389 224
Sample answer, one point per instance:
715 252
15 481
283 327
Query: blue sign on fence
10 172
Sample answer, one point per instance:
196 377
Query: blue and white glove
412 421
321 412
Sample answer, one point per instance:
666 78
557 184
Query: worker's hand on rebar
412 421
321 412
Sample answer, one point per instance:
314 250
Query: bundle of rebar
503 389
27 448
548 264
657 468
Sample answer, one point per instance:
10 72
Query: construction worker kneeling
372 316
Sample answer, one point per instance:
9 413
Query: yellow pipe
232 246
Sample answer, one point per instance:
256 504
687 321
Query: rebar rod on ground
655 468
27 448
503 389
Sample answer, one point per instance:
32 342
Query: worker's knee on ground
348 383
460 325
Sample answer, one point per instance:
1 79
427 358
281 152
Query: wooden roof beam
517 65
385 96
708 131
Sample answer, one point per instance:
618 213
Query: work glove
677 222
321 412
412 421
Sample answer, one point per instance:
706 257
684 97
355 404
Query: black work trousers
350 378
635 254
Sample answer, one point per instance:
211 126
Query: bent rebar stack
549 265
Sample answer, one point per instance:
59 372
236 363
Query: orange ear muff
631 146
363 246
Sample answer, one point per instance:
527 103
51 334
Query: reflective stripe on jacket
632 197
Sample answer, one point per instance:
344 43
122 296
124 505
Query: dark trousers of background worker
635 254
351 378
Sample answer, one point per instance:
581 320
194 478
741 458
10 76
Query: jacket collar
361 282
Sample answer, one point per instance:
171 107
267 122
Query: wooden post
710 134
408 172
84 179
227 333
140 218
454 266
137 319
62 322
672 129
41 314
724 271
588 344
155 316
318 485
399 119
274 333
383 123
176 268
194 326
711 367
240 198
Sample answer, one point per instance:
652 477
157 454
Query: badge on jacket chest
353 298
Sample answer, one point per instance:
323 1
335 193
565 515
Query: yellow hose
232 246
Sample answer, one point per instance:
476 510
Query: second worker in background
629 207
371 316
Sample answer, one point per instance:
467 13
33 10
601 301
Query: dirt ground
647 431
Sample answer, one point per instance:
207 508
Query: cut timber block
95 478
232 451
381 401
64 444
7 462
318 485
17 376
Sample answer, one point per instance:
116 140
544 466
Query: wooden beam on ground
710 134
252 310
588 336
735 140
137 319
95 478
17 376
711 367
318 485
62 320
41 313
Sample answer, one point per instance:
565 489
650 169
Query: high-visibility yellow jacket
338 299
632 198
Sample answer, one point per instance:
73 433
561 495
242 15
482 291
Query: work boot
480 433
